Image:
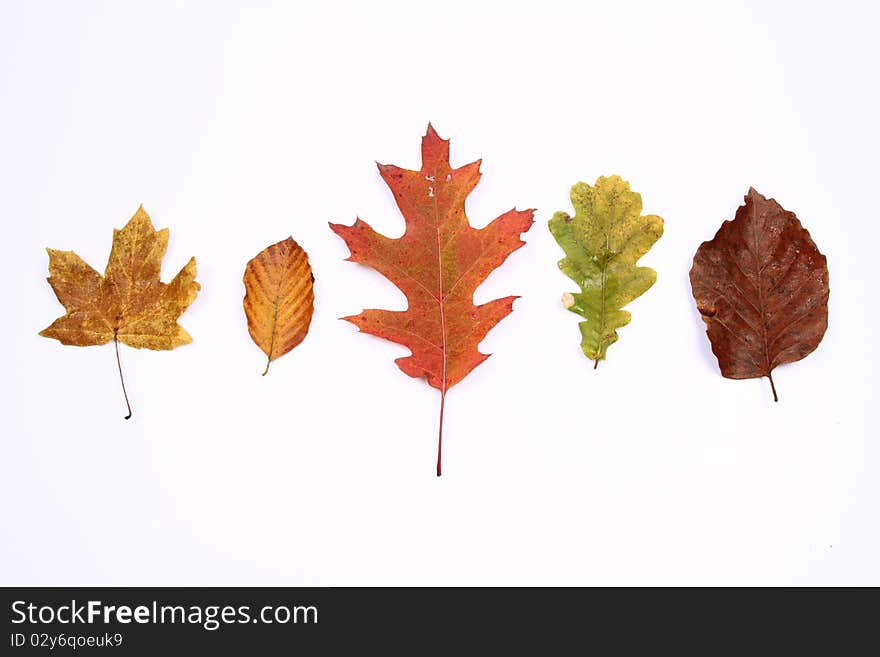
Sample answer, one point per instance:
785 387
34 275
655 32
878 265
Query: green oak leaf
602 243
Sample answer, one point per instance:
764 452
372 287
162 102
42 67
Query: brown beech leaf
278 298
129 303
761 286
438 263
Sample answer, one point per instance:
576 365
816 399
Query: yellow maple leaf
129 303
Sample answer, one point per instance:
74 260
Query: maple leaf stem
440 432
121 378
596 364
773 388
268 362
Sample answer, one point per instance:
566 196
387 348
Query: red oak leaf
438 263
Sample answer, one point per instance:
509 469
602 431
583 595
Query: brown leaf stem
773 388
121 378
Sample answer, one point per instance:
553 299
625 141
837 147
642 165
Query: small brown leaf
761 286
278 298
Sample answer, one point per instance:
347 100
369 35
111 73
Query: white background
238 126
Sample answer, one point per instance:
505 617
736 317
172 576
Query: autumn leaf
129 303
438 263
278 298
602 243
761 286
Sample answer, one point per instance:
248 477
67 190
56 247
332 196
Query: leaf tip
339 229
753 194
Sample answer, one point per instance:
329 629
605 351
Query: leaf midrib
440 299
759 287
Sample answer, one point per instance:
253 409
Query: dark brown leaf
761 286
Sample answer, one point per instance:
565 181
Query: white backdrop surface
237 125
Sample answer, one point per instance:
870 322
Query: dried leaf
602 243
761 286
437 264
278 298
129 304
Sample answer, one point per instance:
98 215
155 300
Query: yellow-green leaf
602 243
